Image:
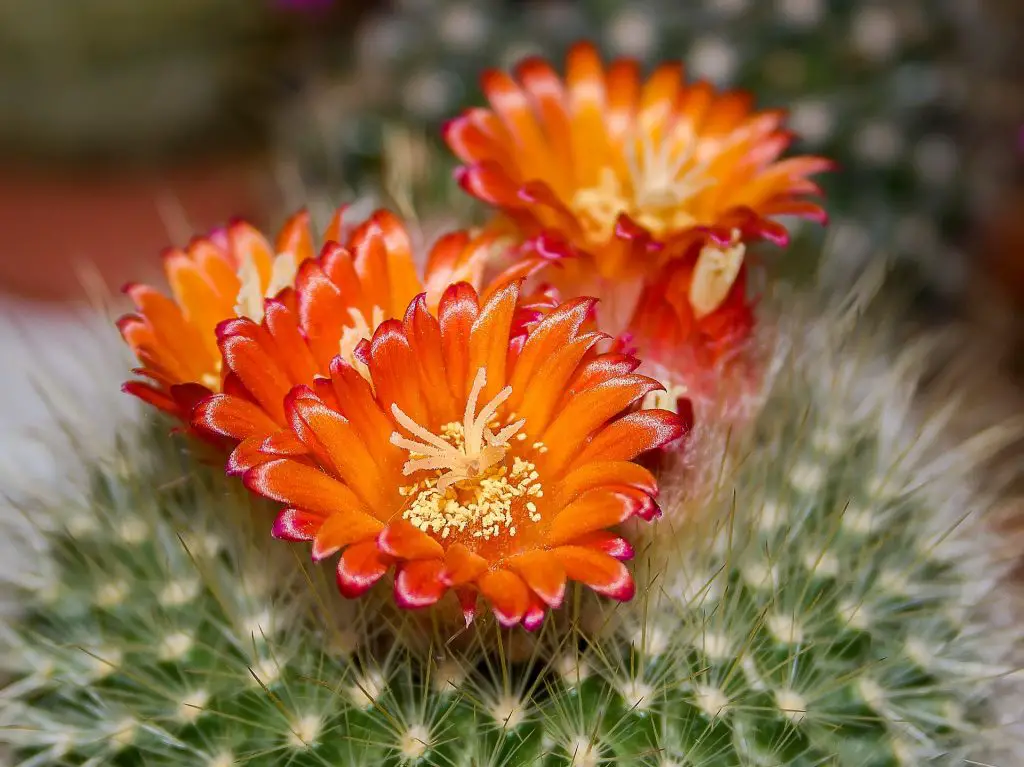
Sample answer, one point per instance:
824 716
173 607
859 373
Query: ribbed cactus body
817 593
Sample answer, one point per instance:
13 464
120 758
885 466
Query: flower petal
304 487
631 435
602 474
507 594
607 542
543 573
403 541
232 417
342 529
599 571
418 584
595 510
462 566
297 525
359 567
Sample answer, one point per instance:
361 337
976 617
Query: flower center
472 487
663 176
352 335
249 302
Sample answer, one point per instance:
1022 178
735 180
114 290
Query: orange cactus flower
339 300
479 452
629 176
223 275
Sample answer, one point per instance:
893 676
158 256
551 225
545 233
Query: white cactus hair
863 481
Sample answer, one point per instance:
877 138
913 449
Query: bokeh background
127 126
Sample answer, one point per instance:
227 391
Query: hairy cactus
822 590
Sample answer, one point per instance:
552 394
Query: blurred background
126 126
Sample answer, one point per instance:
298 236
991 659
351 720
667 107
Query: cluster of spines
796 610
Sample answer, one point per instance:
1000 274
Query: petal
244 239
322 311
255 365
462 566
550 334
340 449
403 541
297 525
342 529
547 95
153 396
489 339
283 443
391 360
596 510
590 409
424 335
296 238
246 455
359 567
233 417
292 351
507 594
599 571
607 542
287 481
627 437
418 584
543 573
361 409
457 311
585 83
534 615
602 474
489 182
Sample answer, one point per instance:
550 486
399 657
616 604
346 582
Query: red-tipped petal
462 566
359 567
418 583
342 529
296 525
507 594
403 541
304 487
601 572
543 573
534 615
607 542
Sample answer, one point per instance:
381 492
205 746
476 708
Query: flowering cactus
791 578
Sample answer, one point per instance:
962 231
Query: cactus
870 85
823 589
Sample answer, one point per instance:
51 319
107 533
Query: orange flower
340 299
630 177
483 452
224 275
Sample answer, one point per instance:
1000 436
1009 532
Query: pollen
471 490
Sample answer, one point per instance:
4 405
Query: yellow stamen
480 450
714 275
664 175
